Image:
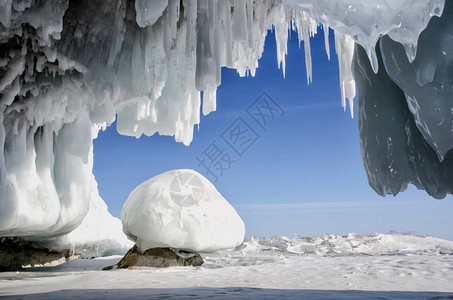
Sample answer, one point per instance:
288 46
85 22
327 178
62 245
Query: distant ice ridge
351 244
69 68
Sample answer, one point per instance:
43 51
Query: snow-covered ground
325 267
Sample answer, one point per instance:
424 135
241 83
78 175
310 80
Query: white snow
350 245
181 209
266 270
99 234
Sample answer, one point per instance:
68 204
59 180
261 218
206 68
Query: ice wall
406 112
69 68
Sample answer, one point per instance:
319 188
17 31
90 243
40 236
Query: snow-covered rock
181 209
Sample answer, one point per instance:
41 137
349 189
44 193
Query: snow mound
351 244
181 209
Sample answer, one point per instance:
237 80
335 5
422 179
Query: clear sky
302 174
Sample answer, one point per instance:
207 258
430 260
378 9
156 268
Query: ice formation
99 234
365 21
351 244
181 209
406 112
69 68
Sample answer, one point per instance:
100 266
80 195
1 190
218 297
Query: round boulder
181 209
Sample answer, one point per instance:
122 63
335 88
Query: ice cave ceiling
69 68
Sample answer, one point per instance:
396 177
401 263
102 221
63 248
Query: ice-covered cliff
405 111
69 68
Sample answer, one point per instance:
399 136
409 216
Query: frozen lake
268 268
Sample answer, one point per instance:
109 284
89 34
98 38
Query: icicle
281 39
228 35
305 28
212 16
373 59
209 99
190 11
250 22
170 20
344 46
411 51
326 39
2 154
281 50
240 30
219 43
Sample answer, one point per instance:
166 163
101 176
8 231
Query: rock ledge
16 254
157 258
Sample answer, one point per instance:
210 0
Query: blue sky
303 174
